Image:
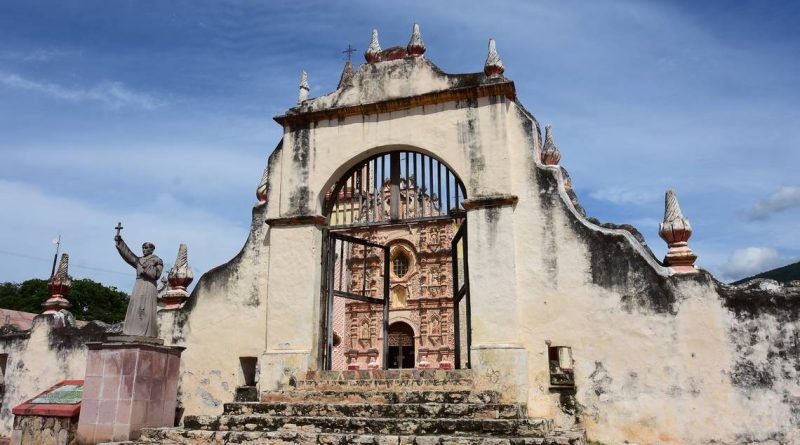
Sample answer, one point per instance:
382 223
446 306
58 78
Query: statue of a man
140 320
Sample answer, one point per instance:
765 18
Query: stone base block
502 368
129 385
282 369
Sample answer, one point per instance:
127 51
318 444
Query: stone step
393 410
354 396
383 384
392 374
196 437
363 425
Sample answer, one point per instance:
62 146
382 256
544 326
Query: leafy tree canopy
90 300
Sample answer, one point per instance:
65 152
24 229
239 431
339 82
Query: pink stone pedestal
130 383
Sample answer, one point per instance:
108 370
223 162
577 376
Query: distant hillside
781 274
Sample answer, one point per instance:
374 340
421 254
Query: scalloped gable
393 79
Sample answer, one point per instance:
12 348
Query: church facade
418 219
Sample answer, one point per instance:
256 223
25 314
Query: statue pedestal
130 383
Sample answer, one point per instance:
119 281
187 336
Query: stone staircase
425 407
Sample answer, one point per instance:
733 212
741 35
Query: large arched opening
395 247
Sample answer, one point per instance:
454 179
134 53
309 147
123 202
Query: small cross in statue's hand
119 228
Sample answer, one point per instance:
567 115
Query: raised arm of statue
125 252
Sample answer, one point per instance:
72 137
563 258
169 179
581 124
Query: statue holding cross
140 319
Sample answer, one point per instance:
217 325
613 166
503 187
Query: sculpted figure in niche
140 320
435 328
364 331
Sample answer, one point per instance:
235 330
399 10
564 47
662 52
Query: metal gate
356 270
461 309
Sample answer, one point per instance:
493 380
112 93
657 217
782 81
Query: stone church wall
659 357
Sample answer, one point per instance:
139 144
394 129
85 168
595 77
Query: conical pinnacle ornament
180 277
374 49
59 286
304 88
676 230
493 66
416 47
550 153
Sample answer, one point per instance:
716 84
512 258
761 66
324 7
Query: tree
90 300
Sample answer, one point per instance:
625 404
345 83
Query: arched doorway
393 243
401 346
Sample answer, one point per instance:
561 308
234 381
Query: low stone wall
40 357
38 430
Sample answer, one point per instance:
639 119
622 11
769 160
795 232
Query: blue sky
158 114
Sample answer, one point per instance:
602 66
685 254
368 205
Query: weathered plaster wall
40 358
223 320
658 356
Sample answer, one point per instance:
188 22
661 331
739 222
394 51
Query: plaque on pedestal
131 383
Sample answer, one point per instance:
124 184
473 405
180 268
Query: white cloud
785 198
38 55
620 196
191 170
32 217
112 94
750 261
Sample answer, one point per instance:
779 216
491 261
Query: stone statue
140 320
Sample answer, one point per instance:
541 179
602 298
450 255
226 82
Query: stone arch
341 172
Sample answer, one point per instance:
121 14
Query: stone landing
431 407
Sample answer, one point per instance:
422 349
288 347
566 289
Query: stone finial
550 153
59 286
676 230
416 47
180 277
303 94
347 74
493 66
374 49
261 193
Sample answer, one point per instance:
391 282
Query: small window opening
3 363
248 366
561 367
400 265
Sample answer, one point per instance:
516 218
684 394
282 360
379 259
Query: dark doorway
402 354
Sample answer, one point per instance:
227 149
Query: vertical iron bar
331 269
447 177
439 184
466 294
374 188
380 186
386 307
341 266
416 198
352 194
406 214
456 309
430 183
394 186
422 183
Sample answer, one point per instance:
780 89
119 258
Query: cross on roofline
349 51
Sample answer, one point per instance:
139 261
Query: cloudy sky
158 114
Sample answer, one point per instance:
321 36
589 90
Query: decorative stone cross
118 227
349 51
